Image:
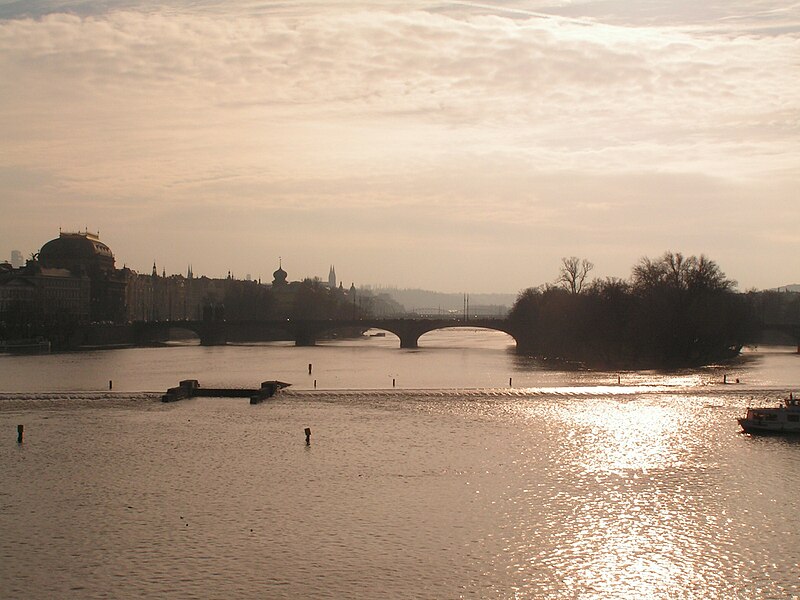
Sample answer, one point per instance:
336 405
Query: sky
451 146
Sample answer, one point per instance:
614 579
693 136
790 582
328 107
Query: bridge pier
305 340
213 334
409 341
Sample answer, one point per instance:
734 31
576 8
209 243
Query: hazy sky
455 146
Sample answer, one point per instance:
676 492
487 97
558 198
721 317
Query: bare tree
674 270
573 274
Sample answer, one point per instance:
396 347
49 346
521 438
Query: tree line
672 311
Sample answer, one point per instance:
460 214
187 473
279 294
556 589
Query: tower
279 276
332 278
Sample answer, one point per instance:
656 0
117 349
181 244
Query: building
35 300
73 281
82 254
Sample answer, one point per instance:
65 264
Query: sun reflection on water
615 488
620 437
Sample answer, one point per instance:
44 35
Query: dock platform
190 388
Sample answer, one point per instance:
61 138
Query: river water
451 484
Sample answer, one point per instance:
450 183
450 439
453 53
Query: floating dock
190 388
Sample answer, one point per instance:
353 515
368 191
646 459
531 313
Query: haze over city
454 146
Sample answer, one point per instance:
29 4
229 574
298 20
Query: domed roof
279 276
75 251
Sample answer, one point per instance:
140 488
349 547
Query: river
458 470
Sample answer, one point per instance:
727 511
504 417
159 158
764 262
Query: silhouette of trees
573 274
673 311
776 307
246 300
314 300
687 312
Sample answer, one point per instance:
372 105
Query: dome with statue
77 251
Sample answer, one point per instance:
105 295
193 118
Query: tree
573 273
687 310
676 272
674 311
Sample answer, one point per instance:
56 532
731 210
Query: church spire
332 278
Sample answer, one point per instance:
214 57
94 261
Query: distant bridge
307 332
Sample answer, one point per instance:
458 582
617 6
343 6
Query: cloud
489 115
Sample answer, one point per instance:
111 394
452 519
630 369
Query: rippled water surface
566 484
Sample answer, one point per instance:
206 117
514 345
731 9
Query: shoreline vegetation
672 312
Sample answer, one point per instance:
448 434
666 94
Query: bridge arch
411 330
178 334
407 330
484 335
154 332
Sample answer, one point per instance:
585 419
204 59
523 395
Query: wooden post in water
315 384
110 384
20 430
392 381
309 368
308 436
509 382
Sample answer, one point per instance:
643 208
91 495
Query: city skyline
446 146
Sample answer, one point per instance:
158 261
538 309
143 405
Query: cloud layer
495 139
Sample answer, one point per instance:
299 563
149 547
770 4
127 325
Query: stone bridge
306 332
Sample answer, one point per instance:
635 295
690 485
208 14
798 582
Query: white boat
781 420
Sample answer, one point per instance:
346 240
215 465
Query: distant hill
429 302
